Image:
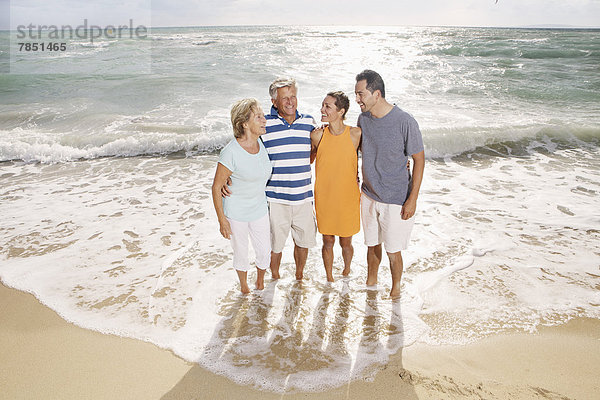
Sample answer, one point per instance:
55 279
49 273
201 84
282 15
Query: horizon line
536 26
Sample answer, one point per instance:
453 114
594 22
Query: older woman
244 212
337 195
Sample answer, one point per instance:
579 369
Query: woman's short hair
341 101
240 114
279 83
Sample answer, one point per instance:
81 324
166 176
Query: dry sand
44 357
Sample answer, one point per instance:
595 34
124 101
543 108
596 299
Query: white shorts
383 223
299 218
260 236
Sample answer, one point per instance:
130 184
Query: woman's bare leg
243 275
347 253
327 252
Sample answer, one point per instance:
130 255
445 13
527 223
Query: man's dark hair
374 81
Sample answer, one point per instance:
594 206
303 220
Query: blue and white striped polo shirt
289 150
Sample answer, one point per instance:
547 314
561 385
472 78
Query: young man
389 195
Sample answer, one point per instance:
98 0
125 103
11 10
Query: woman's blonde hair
240 114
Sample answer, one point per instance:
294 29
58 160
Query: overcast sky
577 13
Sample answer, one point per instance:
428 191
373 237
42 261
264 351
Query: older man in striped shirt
289 191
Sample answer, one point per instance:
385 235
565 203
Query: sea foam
130 246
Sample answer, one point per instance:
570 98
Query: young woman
244 213
337 194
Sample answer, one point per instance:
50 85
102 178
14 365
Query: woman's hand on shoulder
315 139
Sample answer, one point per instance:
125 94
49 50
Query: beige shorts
299 218
383 223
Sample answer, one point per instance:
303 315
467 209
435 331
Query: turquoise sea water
468 87
108 149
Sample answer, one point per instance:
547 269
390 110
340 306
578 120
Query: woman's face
329 111
257 123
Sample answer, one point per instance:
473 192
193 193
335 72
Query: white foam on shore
159 131
131 247
139 136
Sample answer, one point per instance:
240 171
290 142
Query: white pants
260 236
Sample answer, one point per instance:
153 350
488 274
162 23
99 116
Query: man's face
365 99
286 102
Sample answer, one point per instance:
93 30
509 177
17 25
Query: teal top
248 201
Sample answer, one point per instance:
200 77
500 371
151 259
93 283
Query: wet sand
43 356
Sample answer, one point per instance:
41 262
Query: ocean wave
540 54
131 146
160 140
505 50
509 141
205 43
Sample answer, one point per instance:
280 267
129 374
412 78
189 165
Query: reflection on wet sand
304 336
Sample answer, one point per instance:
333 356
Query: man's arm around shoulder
315 139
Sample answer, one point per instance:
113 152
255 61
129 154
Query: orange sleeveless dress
337 195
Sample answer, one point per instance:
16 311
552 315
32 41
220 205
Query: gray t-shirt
387 143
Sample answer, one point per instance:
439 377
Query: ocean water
105 178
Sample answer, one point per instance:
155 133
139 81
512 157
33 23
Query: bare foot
242 275
371 282
245 289
330 278
346 271
299 273
395 293
260 279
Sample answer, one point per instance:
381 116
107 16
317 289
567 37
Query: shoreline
43 356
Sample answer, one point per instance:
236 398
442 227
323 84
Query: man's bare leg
347 253
396 268
373 260
327 252
275 262
260 278
242 275
300 256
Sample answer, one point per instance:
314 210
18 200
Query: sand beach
44 357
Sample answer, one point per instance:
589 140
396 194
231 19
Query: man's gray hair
279 83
